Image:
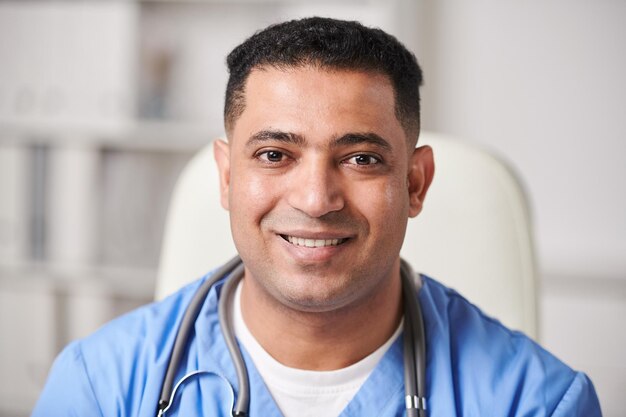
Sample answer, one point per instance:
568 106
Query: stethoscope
414 342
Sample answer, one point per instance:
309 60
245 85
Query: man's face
320 182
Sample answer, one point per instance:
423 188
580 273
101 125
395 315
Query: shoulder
489 366
109 363
447 310
452 317
145 331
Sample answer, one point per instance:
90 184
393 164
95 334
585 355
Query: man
320 174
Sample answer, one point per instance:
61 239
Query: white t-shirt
304 393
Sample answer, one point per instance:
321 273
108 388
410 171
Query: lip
314 254
309 234
313 243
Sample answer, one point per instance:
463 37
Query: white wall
543 84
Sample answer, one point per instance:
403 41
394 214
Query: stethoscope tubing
242 402
414 341
414 347
184 330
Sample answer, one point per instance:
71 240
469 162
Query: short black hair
333 44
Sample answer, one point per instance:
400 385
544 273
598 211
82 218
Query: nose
316 189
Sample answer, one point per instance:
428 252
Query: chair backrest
474 233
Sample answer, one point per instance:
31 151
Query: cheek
395 212
386 208
247 200
250 197
396 199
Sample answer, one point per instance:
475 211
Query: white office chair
473 234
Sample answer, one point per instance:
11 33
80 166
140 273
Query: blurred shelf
165 136
261 2
111 281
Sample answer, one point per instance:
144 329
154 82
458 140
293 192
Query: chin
318 300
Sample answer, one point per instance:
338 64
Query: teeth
313 243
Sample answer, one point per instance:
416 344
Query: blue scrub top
475 367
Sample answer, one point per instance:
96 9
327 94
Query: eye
363 159
271 156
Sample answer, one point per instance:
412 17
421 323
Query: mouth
313 243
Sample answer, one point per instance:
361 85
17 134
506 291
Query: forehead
309 100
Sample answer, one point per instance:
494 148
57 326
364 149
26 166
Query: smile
313 243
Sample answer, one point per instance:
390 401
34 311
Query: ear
419 177
221 153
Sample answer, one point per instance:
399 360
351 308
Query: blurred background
103 102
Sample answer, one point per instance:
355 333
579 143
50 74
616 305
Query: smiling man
319 183
320 174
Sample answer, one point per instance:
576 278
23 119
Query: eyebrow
348 139
361 138
275 135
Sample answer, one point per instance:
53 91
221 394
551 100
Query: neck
323 340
